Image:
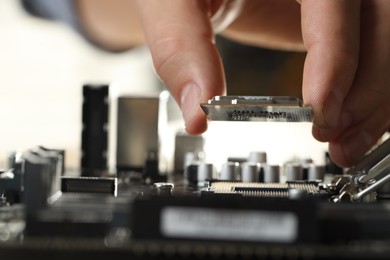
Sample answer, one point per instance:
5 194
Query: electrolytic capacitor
257 157
250 172
294 172
205 172
316 172
305 167
191 174
229 171
271 173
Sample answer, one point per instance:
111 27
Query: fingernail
332 108
190 100
356 146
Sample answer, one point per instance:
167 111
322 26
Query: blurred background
44 64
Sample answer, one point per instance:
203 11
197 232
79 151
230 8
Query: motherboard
245 208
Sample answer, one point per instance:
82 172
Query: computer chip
257 108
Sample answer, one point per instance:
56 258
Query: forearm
113 25
272 24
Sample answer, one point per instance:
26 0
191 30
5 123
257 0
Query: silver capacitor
294 172
271 173
257 157
316 172
205 172
229 171
250 172
305 166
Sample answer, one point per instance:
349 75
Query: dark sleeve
59 10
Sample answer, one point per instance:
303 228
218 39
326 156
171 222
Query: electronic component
138 143
186 146
229 171
205 172
294 171
94 138
256 189
250 209
257 108
89 185
271 173
250 172
137 134
368 175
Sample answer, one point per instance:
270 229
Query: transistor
257 108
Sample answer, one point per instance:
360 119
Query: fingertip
329 134
318 134
198 123
338 155
349 150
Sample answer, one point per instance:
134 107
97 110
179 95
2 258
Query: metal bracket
368 175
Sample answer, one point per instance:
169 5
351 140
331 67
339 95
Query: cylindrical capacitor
229 171
257 157
305 167
191 174
316 172
250 172
294 172
271 173
205 172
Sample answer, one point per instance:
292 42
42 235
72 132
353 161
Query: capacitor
257 157
305 167
205 172
294 172
229 171
271 173
316 172
250 172
191 174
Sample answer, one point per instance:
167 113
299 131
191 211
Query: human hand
345 76
180 36
345 70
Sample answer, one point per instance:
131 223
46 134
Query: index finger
330 32
180 38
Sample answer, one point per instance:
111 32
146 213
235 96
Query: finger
330 32
370 89
180 39
351 146
367 104
325 135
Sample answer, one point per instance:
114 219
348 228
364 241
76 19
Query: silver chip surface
257 108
